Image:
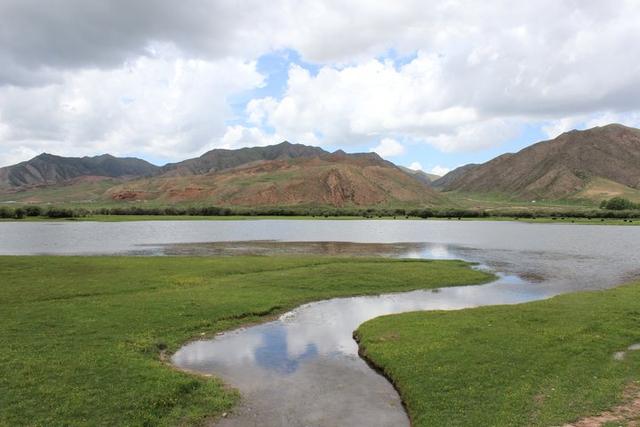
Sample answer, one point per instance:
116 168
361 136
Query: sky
428 85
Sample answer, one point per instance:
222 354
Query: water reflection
324 328
416 250
274 354
299 352
273 247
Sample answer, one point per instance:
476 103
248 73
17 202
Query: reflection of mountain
273 353
268 247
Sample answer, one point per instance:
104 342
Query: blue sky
458 82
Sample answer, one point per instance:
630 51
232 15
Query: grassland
556 220
82 337
600 188
494 201
82 193
542 363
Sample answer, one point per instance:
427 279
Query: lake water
303 369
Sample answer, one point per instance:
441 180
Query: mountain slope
47 169
221 159
427 178
336 179
558 168
446 180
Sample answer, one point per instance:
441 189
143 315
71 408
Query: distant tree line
614 208
37 211
619 204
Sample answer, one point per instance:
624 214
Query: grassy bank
542 363
82 336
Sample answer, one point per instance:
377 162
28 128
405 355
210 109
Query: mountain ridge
557 168
46 169
220 158
281 174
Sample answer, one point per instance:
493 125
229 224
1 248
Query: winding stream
303 369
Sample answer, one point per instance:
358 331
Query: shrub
6 212
618 204
33 210
64 213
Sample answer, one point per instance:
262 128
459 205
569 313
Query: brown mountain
47 169
592 163
277 175
336 179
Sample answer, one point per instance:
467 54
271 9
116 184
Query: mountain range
283 174
592 164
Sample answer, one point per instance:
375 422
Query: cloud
475 136
241 136
351 105
389 148
467 83
153 77
163 107
436 170
559 52
440 170
41 38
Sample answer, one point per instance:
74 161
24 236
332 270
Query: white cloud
240 136
416 166
476 135
165 107
471 73
436 170
352 104
440 170
389 148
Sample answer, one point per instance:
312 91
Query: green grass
501 200
565 220
77 193
127 218
82 336
542 363
600 188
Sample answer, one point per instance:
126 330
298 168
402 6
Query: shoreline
141 218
